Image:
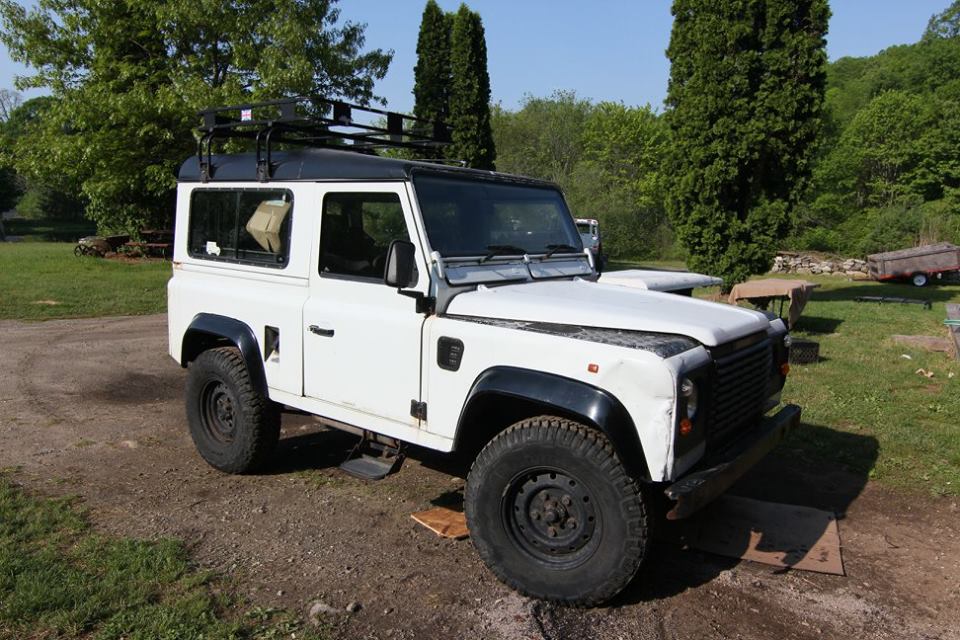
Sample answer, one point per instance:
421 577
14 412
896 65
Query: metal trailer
918 265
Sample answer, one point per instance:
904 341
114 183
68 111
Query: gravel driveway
94 408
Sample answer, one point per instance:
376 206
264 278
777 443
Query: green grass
864 405
58 579
41 281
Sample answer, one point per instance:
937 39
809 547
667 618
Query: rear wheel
920 279
553 513
233 426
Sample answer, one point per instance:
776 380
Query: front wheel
233 426
920 279
553 513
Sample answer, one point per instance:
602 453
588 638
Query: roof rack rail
311 122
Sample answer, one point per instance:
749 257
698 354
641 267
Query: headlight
787 341
688 391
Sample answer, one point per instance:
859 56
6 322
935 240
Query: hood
591 304
659 280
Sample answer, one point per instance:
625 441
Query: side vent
449 353
271 343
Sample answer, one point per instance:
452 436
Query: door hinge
418 409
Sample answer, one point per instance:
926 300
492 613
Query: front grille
739 390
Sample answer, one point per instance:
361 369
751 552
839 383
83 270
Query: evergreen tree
745 96
431 89
470 92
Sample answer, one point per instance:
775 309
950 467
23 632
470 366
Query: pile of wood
811 264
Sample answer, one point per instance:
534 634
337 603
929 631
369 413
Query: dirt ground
94 408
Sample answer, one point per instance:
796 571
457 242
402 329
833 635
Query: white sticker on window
213 249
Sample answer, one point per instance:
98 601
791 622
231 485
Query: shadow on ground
796 473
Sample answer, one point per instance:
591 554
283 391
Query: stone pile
807 264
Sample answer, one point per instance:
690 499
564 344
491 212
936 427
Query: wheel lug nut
571 524
535 515
566 501
552 532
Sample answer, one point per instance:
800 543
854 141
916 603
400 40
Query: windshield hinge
425 304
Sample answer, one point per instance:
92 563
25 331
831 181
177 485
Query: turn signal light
686 427
784 369
593 368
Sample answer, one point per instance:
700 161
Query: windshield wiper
502 249
554 248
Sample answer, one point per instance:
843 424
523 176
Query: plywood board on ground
780 535
444 522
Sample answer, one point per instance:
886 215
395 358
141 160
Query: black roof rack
311 122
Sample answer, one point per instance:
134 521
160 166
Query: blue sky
603 50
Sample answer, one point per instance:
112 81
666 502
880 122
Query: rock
129 444
319 609
354 606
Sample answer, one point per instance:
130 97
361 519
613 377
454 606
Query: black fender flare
593 406
209 328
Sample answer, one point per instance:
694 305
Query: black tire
598 516
234 428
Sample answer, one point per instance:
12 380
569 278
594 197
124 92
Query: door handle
326 333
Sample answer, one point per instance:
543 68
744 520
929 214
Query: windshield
477 218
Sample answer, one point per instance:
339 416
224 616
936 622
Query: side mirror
400 264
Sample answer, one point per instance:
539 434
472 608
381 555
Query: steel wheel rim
218 409
551 516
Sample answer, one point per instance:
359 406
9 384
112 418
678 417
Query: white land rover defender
456 309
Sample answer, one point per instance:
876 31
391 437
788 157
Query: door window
355 232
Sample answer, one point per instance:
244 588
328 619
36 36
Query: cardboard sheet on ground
781 535
444 522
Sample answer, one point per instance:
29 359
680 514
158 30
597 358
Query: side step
373 460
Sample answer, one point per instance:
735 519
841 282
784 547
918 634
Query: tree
58 197
9 101
127 78
432 77
944 25
470 93
745 96
544 138
9 184
625 148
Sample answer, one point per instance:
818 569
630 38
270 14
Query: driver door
361 340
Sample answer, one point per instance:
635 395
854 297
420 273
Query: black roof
331 164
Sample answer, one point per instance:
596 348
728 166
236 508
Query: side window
249 226
356 230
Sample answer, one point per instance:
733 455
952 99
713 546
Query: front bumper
695 491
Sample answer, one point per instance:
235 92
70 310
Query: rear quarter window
245 226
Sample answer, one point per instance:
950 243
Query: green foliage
746 88
944 25
889 165
432 75
470 92
606 157
544 138
127 78
9 188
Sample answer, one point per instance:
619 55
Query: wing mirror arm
400 271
